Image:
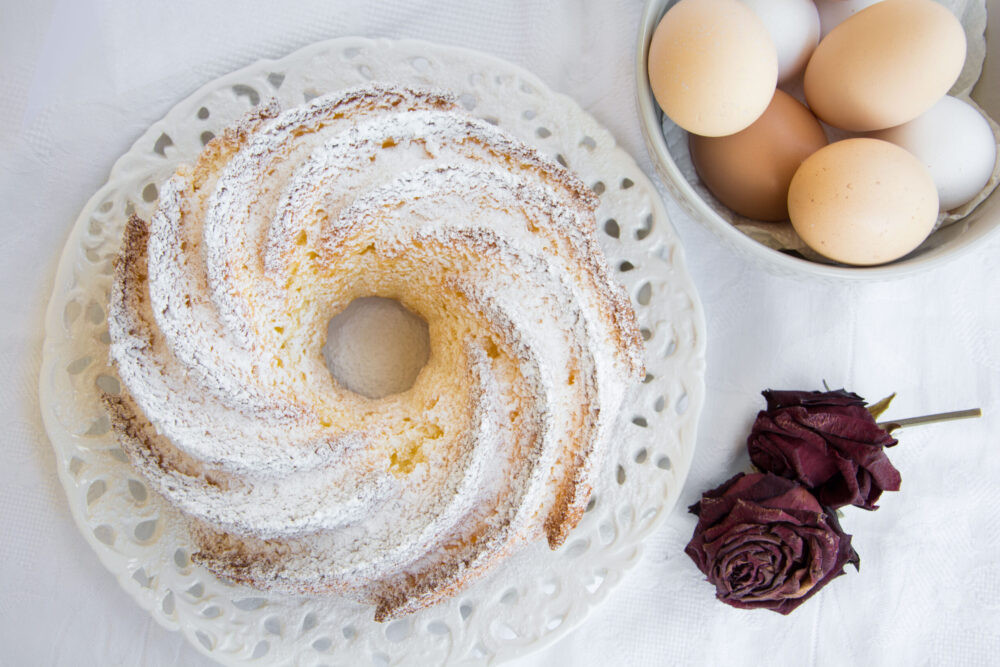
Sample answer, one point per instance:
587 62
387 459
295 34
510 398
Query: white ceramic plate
528 601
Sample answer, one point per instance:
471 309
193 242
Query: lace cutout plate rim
534 597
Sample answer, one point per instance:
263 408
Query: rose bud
765 542
829 442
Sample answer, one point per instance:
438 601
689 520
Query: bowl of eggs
840 139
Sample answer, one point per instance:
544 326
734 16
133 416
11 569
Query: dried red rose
829 442
765 542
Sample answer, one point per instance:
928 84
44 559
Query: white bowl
944 245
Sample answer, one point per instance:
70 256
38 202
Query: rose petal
764 541
828 441
782 398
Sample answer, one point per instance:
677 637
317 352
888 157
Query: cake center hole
376 347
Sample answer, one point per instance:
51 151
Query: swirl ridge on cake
218 315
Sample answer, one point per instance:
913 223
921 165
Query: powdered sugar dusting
291 481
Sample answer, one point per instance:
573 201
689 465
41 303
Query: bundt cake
218 316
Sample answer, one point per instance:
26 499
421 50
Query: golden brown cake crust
290 482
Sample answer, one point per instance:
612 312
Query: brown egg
885 65
750 171
863 201
712 66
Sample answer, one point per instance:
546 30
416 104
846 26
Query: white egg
956 144
833 12
794 29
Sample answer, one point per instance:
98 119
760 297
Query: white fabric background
81 79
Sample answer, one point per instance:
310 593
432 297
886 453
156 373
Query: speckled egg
862 201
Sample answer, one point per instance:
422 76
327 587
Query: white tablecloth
81 79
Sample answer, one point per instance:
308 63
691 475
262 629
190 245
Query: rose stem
929 419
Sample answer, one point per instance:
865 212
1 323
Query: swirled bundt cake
218 314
